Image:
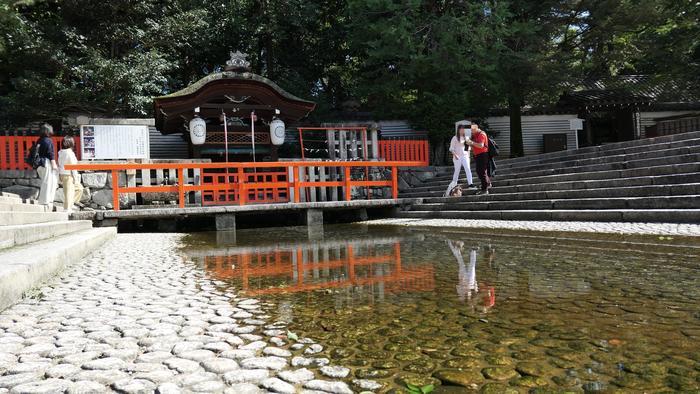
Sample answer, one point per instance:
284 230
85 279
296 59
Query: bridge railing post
115 190
242 191
348 189
181 186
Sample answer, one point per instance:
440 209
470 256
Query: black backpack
493 148
33 159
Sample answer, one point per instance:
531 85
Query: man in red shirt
480 147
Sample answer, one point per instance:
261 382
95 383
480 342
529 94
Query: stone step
10 195
670 156
27 266
613 153
21 207
665 142
654 202
595 215
626 158
26 233
603 192
604 159
604 149
665 166
675 179
11 200
13 218
658 175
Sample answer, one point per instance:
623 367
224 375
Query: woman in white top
72 188
460 158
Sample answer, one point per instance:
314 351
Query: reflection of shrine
374 264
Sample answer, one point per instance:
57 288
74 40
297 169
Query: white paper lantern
198 130
277 132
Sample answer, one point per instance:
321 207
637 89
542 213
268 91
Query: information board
104 142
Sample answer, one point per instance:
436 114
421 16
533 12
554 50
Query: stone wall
97 188
411 177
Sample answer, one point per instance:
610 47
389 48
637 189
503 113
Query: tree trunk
516 127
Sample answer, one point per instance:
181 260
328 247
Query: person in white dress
460 158
72 188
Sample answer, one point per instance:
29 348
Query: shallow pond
469 311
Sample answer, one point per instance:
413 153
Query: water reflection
361 265
468 287
399 305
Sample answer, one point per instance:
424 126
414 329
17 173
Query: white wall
534 127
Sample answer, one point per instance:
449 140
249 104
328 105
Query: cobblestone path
135 317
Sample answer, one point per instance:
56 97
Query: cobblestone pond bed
363 309
473 311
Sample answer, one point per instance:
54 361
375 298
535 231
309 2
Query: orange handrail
408 150
241 185
14 148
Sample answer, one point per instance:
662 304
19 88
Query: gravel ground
679 229
135 317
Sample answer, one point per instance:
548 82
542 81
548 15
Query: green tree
426 61
531 66
88 56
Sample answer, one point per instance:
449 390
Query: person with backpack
46 165
480 147
72 188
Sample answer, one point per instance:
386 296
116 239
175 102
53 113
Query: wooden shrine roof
236 93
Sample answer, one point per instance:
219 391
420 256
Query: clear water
471 311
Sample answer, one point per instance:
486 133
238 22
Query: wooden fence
249 182
13 150
405 150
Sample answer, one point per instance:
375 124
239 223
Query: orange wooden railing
13 150
261 194
405 150
242 179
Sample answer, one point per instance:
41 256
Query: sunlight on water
471 311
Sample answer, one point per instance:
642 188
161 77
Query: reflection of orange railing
291 263
13 150
239 177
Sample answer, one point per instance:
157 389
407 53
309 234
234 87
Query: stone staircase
648 180
36 243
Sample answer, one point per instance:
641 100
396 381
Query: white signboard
104 142
575 124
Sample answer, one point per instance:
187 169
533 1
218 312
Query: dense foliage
427 61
